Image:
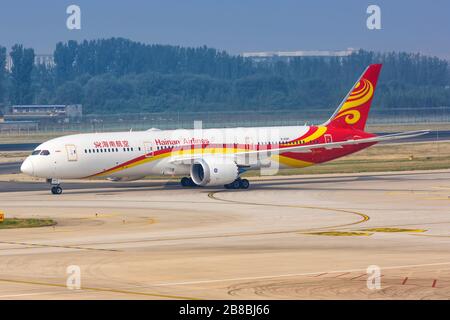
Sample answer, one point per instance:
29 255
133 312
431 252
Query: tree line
120 76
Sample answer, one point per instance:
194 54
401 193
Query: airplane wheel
185 182
57 190
236 184
245 184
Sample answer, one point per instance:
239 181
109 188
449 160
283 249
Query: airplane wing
187 159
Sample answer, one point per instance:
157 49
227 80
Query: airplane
211 157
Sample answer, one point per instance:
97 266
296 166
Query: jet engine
214 172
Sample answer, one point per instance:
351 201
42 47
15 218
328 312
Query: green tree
2 72
69 93
118 75
64 56
23 62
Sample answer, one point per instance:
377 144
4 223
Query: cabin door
148 149
71 152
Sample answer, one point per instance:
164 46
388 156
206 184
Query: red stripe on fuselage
315 156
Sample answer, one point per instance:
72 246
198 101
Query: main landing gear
187 182
238 184
56 188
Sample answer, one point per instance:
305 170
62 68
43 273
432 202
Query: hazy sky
235 25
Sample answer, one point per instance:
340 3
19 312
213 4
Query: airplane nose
27 167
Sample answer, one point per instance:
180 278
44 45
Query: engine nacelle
210 172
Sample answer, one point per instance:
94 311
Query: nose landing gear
56 188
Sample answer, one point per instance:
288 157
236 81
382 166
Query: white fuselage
132 155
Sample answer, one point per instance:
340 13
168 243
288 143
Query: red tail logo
354 109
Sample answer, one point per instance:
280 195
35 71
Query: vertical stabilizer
354 109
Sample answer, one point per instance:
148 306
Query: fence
97 123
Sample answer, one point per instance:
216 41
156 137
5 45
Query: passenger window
45 153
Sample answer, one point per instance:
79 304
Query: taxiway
298 237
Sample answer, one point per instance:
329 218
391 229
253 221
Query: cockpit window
45 153
35 152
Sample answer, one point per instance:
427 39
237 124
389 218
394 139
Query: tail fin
354 109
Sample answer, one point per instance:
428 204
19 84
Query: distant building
44 59
9 63
14 126
44 112
39 59
288 55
